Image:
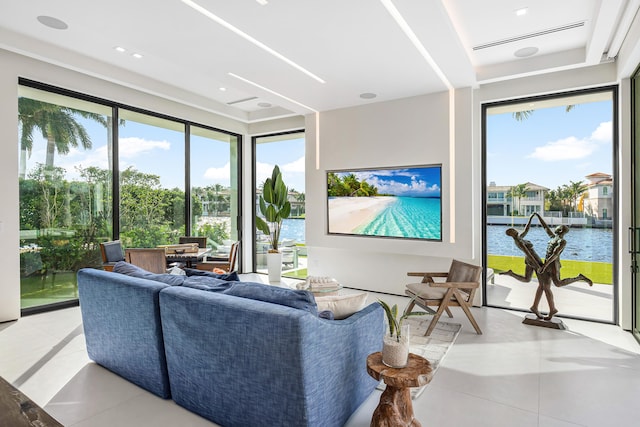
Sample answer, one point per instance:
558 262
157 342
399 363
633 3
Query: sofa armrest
121 321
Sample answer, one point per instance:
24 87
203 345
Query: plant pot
395 353
274 266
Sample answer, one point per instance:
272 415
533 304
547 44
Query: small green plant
395 323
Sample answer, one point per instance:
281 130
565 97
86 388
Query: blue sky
551 147
160 151
414 181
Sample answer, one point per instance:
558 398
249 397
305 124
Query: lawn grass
599 272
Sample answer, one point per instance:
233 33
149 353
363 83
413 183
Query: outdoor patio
577 299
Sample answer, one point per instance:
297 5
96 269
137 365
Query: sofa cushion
302 300
206 283
230 277
123 267
342 306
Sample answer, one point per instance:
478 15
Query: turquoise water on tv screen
413 217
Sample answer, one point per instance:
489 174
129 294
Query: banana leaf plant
274 207
395 322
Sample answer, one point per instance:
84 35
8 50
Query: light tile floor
512 375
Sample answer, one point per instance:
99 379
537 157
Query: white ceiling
354 46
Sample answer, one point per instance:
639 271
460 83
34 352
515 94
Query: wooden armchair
111 253
226 264
458 290
151 259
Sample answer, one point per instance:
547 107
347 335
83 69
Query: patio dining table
188 258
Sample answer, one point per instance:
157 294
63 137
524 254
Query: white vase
395 353
274 266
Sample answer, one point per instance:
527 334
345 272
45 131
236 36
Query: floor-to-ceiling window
72 149
152 175
287 150
214 188
550 204
65 192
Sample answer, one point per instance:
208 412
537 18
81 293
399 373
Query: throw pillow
229 277
342 306
123 267
302 300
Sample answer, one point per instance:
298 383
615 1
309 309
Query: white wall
412 131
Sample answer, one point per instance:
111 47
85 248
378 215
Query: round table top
417 372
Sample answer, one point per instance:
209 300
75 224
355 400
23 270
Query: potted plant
274 207
395 346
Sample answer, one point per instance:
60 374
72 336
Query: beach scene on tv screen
399 202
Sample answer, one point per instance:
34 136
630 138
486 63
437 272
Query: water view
293 229
583 244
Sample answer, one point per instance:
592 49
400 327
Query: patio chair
111 253
457 290
151 259
200 240
227 264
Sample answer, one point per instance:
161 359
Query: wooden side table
395 407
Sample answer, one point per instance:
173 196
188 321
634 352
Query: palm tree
575 190
516 193
57 124
525 114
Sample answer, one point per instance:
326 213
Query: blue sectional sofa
232 359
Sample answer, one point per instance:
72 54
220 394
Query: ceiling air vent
531 35
240 101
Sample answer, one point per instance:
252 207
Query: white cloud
297 166
218 174
263 171
399 188
134 146
572 148
564 149
603 133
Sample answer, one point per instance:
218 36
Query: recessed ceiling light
264 104
52 22
522 11
136 55
526 51
262 2
368 95
120 49
222 89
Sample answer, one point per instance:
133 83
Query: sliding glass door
286 150
549 196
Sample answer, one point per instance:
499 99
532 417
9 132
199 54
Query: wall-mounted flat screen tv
402 202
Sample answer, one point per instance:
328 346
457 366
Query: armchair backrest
111 251
151 259
463 272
